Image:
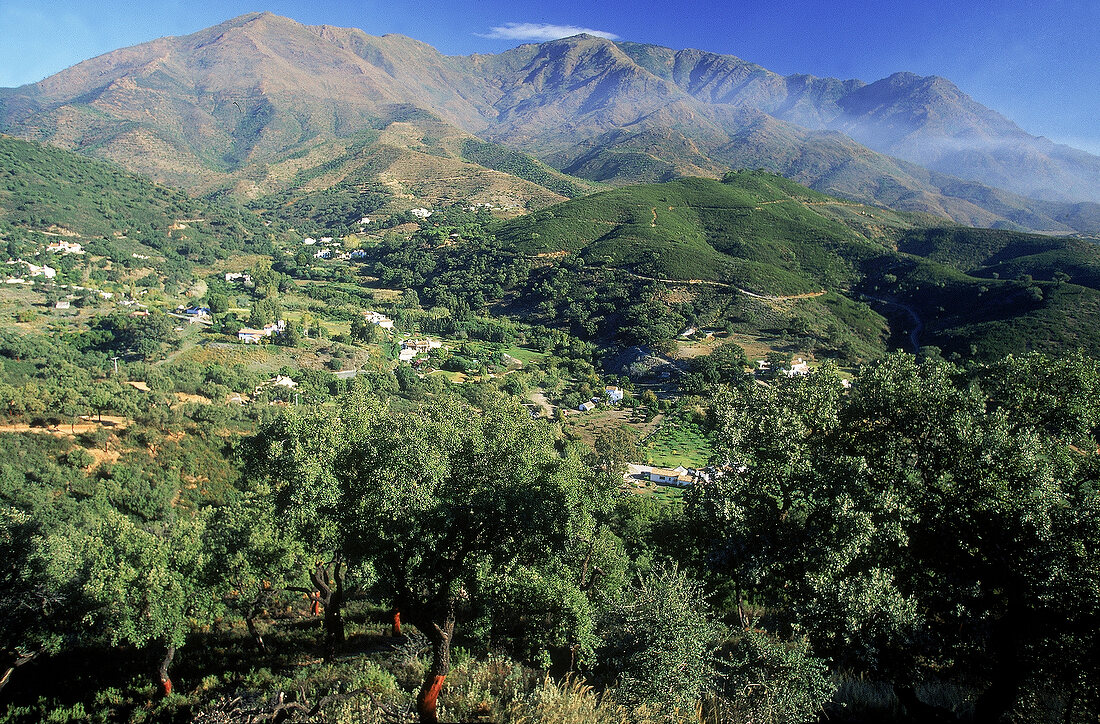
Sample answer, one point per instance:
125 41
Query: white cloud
542 31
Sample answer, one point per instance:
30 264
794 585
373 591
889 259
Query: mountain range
261 104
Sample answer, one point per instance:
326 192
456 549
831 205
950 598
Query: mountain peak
261 87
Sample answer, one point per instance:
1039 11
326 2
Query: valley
587 381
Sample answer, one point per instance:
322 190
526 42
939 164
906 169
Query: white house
277 381
254 336
678 477
421 213
380 319
421 345
35 270
798 368
65 247
614 394
250 336
586 406
308 241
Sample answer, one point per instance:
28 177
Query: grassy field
678 442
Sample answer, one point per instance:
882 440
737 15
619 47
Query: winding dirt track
720 285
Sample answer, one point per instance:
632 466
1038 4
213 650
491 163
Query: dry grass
575 702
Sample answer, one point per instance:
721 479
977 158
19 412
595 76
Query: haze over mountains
252 104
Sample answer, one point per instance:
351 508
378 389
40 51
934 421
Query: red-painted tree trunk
440 636
162 672
330 583
396 629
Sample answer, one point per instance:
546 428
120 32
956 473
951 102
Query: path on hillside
707 282
811 203
539 399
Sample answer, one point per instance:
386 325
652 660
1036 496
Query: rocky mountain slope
214 109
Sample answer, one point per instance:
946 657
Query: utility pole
115 360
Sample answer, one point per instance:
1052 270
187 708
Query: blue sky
1037 63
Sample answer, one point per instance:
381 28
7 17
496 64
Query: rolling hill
774 257
48 193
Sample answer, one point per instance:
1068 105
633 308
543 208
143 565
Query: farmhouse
250 336
65 247
36 271
678 477
614 394
421 345
380 319
798 368
277 381
255 336
586 406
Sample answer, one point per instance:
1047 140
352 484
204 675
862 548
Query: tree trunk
440 636
162 672
15 665
256 635
329 580
1007 675
263 596
396 629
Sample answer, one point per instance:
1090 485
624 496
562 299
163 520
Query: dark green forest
930 531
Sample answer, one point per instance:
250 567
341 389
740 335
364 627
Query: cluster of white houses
680 477
379 319
32 269
799 367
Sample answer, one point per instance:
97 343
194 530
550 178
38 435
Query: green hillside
502 158
46 192
755 232
993 253
762 250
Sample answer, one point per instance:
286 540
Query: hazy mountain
926 120
217 108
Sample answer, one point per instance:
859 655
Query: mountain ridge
206 110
